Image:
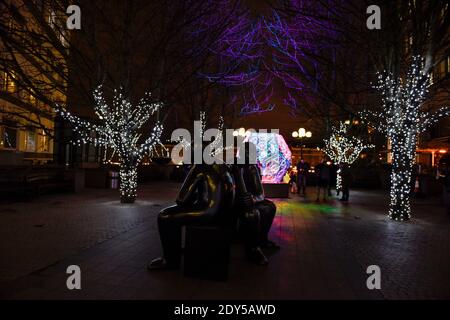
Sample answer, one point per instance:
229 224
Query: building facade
21 139
26 75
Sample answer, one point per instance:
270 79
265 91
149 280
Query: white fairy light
119 128
343 148
402 120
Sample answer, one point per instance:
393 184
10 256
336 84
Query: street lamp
242 132
301 134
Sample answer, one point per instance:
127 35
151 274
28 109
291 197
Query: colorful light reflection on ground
272 155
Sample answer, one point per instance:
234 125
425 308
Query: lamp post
242 132
301 134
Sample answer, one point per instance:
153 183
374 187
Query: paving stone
325 250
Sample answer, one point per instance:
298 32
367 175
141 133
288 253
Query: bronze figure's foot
257 256
160 264
270 245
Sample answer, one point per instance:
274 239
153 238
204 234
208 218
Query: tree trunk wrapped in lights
120 127
128 183
402 120
343 148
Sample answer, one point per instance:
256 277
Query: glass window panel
9 138
448 64
30 141
43 143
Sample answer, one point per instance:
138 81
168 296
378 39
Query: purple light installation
273 155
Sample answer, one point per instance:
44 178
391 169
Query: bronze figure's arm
258 190
188 191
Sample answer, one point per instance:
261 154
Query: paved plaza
326 249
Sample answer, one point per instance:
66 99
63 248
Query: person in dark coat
323 179
293 182
302 171
292 177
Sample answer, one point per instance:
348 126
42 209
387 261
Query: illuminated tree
402 119
344 148
120 126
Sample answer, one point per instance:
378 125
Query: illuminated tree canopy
120 126
344 148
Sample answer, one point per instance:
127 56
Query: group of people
325 173
229 196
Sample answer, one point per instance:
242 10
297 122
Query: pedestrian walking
322 171
302 171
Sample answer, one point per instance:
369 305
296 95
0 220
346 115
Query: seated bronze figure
205 197
255 211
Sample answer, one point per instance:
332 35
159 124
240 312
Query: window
10 24
52 20
10 84
43 143
32 98
8 139
448 64
3 81
30 141
441 70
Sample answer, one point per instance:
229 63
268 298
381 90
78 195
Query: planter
276 190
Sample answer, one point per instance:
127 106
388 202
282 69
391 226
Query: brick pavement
326 249
39 233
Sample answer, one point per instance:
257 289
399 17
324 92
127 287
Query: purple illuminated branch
239 51
291 102
257 95
298 41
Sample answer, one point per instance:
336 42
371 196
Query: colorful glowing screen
272 155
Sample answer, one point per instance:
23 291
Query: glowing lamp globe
301 132
272 155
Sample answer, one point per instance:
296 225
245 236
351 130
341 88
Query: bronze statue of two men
227 196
